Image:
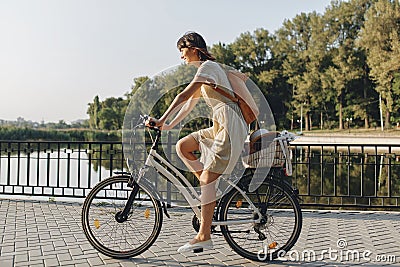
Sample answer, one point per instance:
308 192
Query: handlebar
152 124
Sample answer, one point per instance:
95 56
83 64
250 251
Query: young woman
221 144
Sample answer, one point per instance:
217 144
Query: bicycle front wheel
115 237
280 224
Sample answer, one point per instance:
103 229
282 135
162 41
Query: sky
57 55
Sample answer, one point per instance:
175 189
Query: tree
137 83
255 54
396 102
93 112
324 67
380 38
224 54
302 42
111 114
344 21
253 51
108 114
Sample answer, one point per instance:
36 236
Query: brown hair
195 40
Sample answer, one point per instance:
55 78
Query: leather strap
229 96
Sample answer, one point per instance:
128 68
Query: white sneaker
196 247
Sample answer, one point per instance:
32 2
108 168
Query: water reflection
347 174
56 168
328 175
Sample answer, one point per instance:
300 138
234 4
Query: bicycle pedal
198 250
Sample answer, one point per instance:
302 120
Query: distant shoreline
43 134
348 139
371 132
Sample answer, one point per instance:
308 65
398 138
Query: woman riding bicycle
221 144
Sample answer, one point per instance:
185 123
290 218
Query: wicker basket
263 152
270 156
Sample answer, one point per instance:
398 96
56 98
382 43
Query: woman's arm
184 111
191 91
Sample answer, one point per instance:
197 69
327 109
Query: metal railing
47 168
347 175
326 175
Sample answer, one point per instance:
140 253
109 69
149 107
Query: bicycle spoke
278 229
115 236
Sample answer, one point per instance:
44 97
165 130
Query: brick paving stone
21 244
193 264
75 251
21 258
46 234
112 264
6 262
105 257
64 257
73 262
128 264
95 261
36 265
112 261
178 257
83 265
34 252
151 264
47 248
57 251
252 264
161 253
93 254
7 248
213 262
34 262
233 262
53 261
85 247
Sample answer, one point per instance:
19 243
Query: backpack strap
229 96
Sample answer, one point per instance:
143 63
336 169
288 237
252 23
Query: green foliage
380 37
108 114
30 134
325 67
223 54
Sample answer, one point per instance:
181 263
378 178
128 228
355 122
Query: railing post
111 153
389 181
60 173
9 149
168 152
28 164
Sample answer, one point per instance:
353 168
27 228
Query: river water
39 172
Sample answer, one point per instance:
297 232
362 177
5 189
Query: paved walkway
43 233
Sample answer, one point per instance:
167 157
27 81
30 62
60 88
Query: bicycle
122 215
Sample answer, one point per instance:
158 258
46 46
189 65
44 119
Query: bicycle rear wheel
110 235
275 234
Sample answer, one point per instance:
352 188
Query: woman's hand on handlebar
152 122
160 124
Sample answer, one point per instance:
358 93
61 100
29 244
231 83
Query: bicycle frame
186 189
275 206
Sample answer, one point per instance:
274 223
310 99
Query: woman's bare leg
185 149
207 182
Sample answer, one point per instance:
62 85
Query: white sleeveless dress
220 145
